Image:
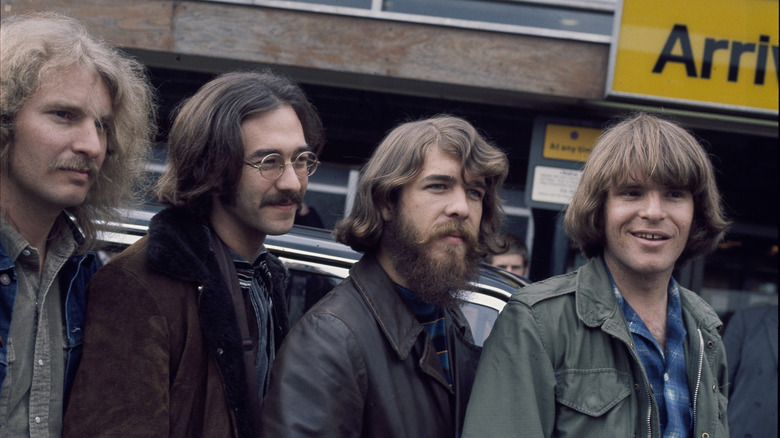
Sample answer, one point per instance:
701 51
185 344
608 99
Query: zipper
649 413
698 377
647 392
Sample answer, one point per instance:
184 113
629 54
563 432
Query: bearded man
388 353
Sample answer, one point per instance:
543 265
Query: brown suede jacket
162 347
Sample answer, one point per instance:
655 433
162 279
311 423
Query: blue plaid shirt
432 319
665 372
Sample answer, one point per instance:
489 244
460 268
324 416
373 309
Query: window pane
481 319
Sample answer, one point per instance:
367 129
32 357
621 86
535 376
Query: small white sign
554 184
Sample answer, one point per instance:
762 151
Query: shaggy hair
206 145
35 48
399 159
645 146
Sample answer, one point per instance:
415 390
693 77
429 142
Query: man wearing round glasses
183 325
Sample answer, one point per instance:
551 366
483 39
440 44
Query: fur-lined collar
180 246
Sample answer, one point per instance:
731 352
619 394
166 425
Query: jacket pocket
593 403
721 421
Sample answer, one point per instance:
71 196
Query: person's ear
387 212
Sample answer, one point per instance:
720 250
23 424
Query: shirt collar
420 308
673 290
14 243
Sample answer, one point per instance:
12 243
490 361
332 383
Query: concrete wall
422 59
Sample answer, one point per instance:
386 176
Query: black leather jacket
358 364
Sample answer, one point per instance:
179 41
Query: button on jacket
560 362
359 364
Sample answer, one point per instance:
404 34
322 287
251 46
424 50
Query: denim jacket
73 278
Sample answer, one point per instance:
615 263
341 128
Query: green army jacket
560 362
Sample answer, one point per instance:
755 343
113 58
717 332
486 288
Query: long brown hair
206 146
398 160
647 146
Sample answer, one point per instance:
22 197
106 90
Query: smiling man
617 348
388 353
76 121
183 326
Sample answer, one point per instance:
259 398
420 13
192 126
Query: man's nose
458 205
289 180
90 140
653 207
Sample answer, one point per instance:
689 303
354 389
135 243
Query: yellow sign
569 143
721 53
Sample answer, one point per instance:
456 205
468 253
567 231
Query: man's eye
270 162
478 194
303 161
63 114
677 194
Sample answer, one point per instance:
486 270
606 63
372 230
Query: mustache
75 163
282 198
447 228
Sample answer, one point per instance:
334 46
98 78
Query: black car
317 263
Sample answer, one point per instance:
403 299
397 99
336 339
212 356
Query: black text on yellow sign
569 143
710 52
678 49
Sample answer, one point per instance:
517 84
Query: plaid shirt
665 372
432 319
254 280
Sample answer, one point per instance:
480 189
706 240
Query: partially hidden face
60 140
514 263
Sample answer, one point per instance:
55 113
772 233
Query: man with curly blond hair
75 127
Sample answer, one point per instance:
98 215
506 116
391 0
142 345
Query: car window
481 319
307 284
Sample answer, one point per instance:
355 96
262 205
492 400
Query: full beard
443 279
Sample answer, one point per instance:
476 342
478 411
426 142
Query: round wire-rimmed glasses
272 165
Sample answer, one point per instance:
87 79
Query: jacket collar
596 304
595 301
399 325
179 244
699 311
389 308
